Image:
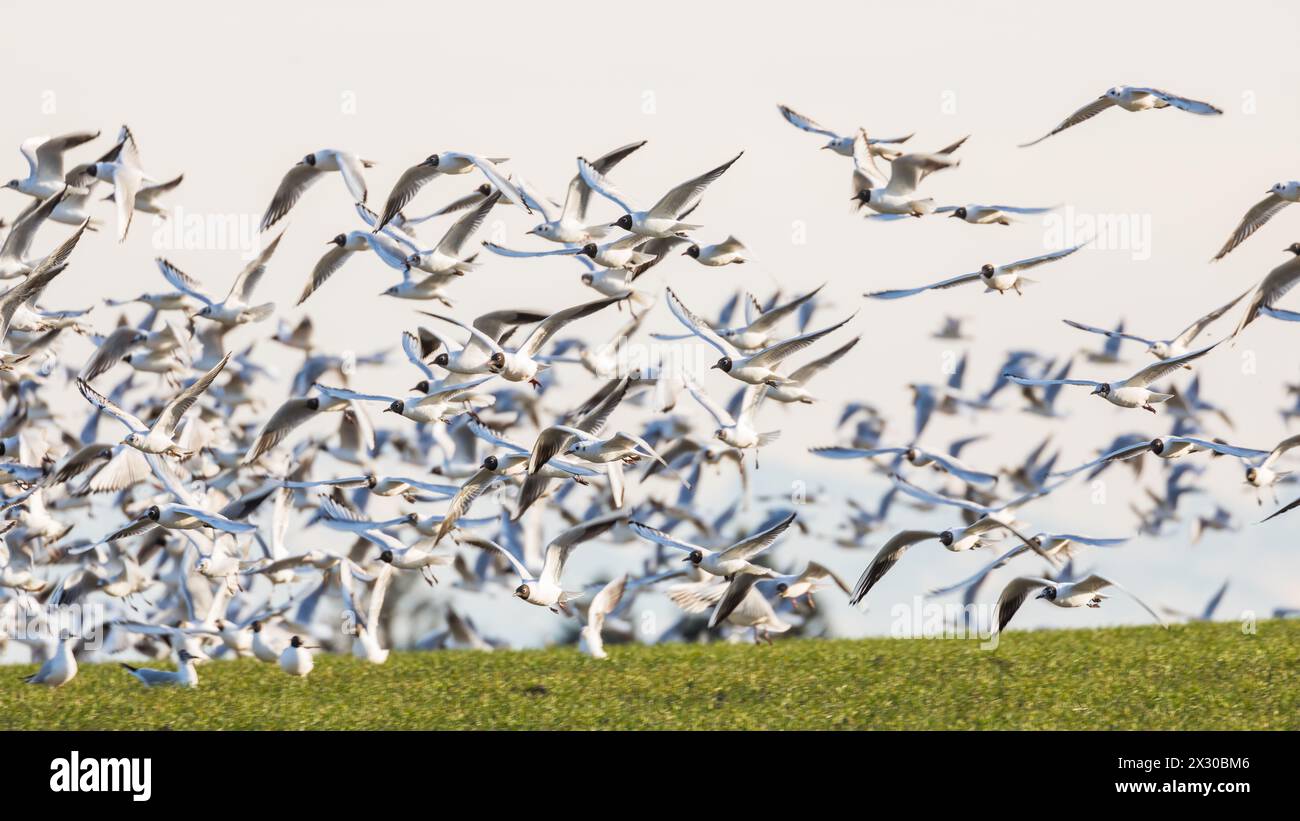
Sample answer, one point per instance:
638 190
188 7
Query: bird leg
812 605
1148 407
537 386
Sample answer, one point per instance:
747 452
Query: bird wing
182 281
808 124
1260 213
578 198
1024 380
1032 262
246 283
110 407
1094 583
175 409
751 546
947 283
325 268
288 416
601 185
686 196
553 323
907 171
719 413
295 183
1282 447
1194 330
1108 333
1158 370
887 557
1183 103
773 355
660 538
353 177
698 326
561 547
804 373
1089 111
742 584
471 490
411 181
463 228
1014 595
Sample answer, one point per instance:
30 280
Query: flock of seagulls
188 503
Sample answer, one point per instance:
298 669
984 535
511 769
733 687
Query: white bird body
59 668
296 659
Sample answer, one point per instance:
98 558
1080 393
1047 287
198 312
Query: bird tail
768 438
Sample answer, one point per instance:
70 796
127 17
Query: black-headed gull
841 144
44 157
1000 278
725 562
1086 592
1134 392
305 174
1130 98
1163 348
664 218
447 162
1276 198
569 223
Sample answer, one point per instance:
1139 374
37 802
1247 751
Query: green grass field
1203 676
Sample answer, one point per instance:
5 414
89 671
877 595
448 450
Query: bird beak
1042 594
687 559
713 366
531 231
952 216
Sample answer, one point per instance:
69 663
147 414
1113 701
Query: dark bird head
413 259
862 197
1048 593
946 538
693 251
432 161
313 403
960 213
1157 445
441 361
587 279
1251 474
491 463
256 626
695 557
591 249
782 587
14 183
340 240
1294 248
423 385
497 363
723 364
295 642
484 189
522 591
412 518
624 222
386 557
310 159
1103 389
986 270
397 406
153 513
91 170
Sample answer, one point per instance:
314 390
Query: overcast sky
234 94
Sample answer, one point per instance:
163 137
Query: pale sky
234 95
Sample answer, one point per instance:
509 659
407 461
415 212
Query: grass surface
1202 676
